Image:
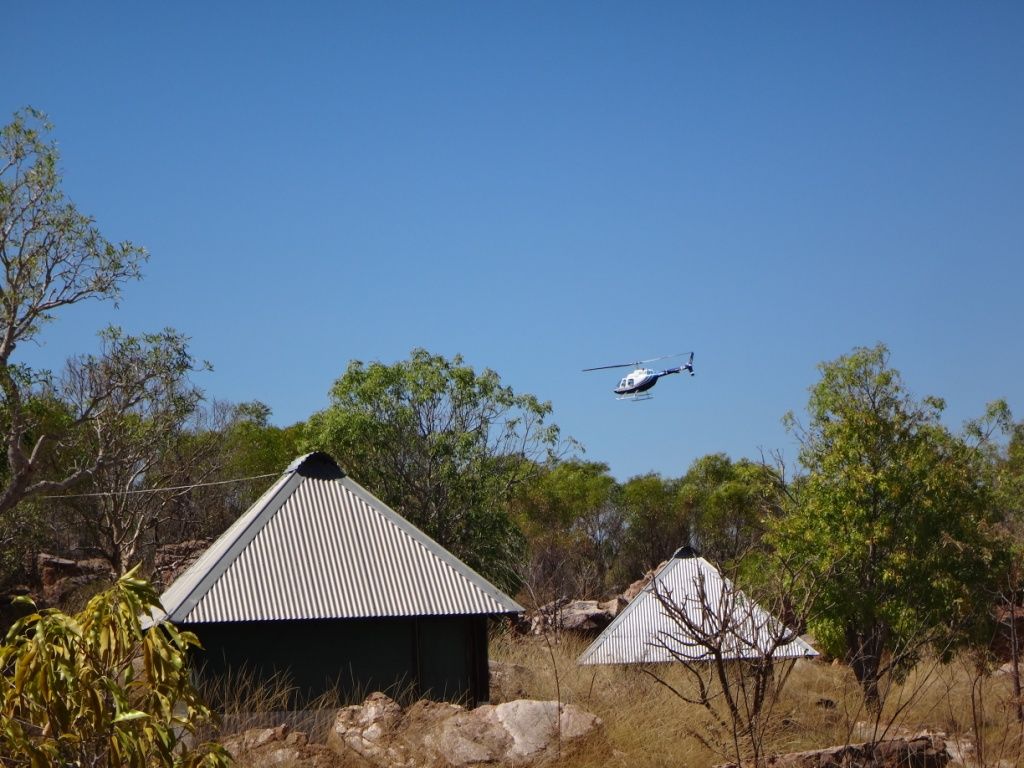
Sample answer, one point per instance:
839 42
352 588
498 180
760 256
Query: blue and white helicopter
635 385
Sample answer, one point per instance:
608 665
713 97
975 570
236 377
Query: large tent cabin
324 583
646 632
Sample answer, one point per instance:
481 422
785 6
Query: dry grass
245 700
647 725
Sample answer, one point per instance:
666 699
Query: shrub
98 689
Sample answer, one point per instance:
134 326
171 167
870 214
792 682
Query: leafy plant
97 689
895 510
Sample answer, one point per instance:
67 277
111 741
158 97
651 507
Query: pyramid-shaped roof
645 633
317 545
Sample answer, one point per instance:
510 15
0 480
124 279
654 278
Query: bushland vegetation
906 533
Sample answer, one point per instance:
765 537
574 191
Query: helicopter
635 385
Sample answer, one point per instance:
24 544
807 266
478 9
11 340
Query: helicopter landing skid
636 398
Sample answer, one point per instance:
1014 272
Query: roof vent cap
317 465
685 552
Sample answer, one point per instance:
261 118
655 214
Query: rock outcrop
927 750
585 617
381 734
62 577
637 586
279 746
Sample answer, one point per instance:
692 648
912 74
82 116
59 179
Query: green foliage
202 452
246 445
51 257
1007 463
574 525
656 524
894 521
108 424
589 535
23 528
729 504
95 689
254 446
442 444
561 495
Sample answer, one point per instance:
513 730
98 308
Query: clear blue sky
543 187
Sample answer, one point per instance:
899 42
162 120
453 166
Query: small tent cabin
646 632
324 583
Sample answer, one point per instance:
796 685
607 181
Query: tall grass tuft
245 700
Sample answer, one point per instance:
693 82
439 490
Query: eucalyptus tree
730 504
894 518
245 452
52 256
444 445
139 432
657 524
574 527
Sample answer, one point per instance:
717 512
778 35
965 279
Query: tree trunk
1015 659
864 654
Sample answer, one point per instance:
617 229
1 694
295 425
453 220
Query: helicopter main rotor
635 362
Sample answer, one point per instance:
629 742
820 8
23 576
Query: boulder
278 746
517 733
254 738
587 617
539 730
613 606
637 586
583 616
468 738
926 750
62 577
368 731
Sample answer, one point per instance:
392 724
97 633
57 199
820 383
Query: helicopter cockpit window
629 383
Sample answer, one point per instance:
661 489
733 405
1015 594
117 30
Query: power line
159 490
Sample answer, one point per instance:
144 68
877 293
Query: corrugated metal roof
317 545
646 633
